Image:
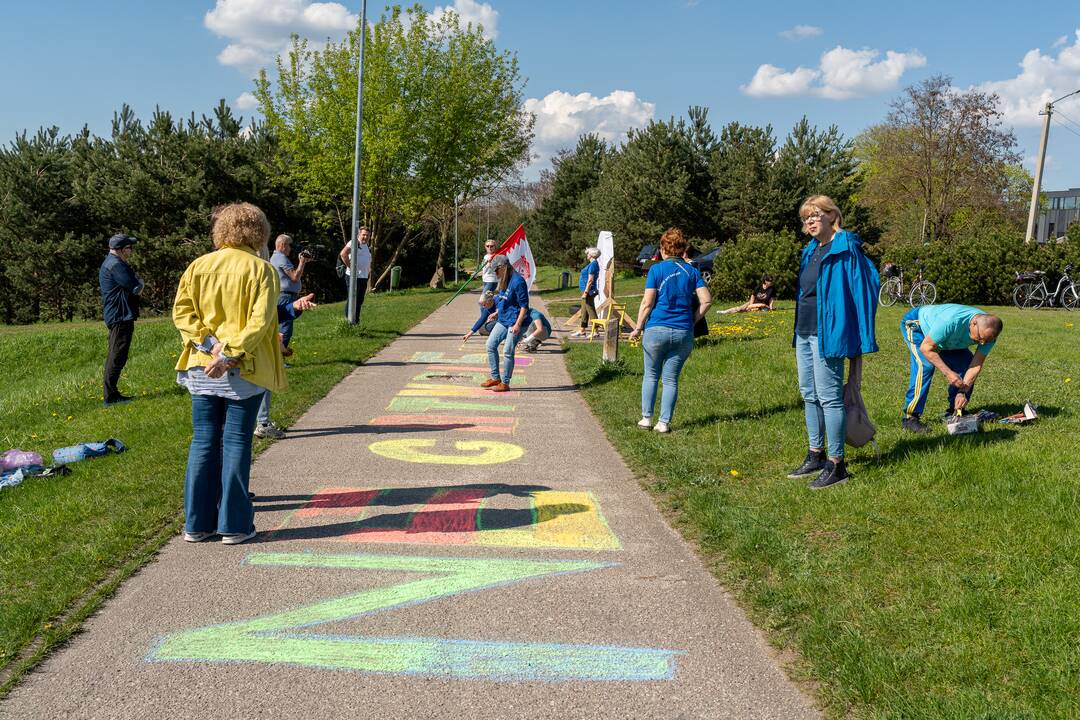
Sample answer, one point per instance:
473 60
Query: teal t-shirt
947 325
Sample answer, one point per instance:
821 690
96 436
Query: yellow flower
70 417
1068 380
56 414
733 472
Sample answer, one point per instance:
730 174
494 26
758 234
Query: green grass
67 542
628 289
940 581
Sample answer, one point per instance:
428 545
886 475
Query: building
1062 209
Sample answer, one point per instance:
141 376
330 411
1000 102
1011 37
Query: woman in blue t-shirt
589 285
512 305
666 323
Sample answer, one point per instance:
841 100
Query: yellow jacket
231 294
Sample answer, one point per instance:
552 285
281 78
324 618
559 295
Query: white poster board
606 243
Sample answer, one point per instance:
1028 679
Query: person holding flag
512 304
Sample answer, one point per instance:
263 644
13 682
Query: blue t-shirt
676 284
592 268
281 263
948 326
510 301
535 315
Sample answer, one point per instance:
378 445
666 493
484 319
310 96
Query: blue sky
591 66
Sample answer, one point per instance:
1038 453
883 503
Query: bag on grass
82 451
860 429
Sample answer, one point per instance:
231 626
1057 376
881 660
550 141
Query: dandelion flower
1068 380
733 472
70 417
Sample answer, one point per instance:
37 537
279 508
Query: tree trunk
390 263
438 278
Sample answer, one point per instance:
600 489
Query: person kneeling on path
488 314
938 336
541 331
512 303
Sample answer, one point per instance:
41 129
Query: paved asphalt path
428 549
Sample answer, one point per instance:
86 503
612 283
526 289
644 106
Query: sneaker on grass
834 473
912 423
269 430
814 462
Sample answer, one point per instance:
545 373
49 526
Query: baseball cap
119 242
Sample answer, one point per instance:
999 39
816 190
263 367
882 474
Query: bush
738 267
981 271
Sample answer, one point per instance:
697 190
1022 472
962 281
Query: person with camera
363 268
120 291
289 275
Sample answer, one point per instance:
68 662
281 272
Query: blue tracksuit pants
922 371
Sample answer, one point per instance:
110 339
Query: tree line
940 168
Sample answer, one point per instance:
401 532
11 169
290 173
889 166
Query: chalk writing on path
285 637
490 514
473 359
466 452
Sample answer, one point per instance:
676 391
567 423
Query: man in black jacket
120 289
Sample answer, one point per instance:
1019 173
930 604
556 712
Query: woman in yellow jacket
226 312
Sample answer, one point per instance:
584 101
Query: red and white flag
517 249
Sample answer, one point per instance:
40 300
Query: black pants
361 291
119 343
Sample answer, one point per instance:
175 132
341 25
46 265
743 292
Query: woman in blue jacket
836 303
512 304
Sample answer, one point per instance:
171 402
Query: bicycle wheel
922 293
1034 297
890 292
1069 297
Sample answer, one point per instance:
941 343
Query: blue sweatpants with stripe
922 371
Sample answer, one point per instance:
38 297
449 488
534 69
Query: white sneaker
661 427
269 430
578 334
197 536
645 423
236 538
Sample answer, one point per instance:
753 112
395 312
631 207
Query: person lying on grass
760 299
938 336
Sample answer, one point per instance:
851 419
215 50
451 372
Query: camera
307 254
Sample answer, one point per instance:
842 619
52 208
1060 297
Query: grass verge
66 543
941 580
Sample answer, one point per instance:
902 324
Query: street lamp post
1036 188
354 311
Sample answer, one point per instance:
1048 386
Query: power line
1069 119
1063 126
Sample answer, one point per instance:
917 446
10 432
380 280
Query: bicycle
1032 293
922 292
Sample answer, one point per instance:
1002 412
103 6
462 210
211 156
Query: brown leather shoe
500 387
489 383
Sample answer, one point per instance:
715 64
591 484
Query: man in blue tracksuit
938 336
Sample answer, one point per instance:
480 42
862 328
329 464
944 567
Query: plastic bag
13 459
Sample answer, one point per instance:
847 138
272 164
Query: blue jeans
922 371
484 312
219 465
499 333
263 416
285 327
666 350
821 382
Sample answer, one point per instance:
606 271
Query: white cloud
246 101
841 74
561 118
258 30
472 12
1042 78
801 31
1063 40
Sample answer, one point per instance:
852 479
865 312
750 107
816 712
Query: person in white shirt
488 276
363 268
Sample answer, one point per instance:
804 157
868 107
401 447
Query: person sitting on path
835 307
487 314
541 331
938 336
760 299
226 312
589 285
512 303
665 323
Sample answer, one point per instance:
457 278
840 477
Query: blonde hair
825 204
240 224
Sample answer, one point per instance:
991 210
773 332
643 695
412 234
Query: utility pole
354 312
455 240
1047 112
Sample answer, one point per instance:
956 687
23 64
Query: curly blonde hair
240 224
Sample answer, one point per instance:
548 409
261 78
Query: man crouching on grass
938 336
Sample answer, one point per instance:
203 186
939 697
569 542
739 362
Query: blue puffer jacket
847 297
